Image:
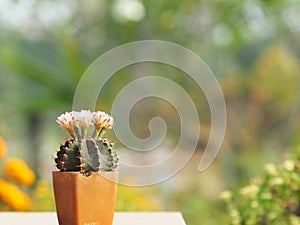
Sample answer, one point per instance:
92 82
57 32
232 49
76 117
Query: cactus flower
66 121
84 118
86 152
103 120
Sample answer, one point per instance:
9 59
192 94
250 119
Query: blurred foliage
42 196
14 181
19 189
252 46
138 199
263 104
273 198
192 202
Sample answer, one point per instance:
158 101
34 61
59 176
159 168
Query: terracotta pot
85 200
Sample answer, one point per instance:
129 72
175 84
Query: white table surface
120 218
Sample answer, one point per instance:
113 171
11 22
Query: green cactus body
89 155
108 155
85 152
68 157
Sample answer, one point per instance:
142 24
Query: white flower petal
66 120
84 118
102 120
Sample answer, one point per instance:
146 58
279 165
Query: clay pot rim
108 175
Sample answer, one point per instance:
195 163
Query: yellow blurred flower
254 204
250 190
12 196
225 195
294 220
18 170
271 169
266 196
3 147
138 199
289 165
277 181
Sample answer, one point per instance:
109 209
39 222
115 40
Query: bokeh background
252 46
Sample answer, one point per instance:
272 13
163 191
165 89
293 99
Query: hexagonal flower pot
85 200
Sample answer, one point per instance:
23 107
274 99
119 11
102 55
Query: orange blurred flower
18 170
3 147
13 197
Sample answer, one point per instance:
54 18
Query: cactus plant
86 150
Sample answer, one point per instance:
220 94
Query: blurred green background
252 46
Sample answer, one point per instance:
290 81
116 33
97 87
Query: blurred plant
3 147
15 177
43 199
12 196
263 108
138 199
276 65
272 199
16 169
38 73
